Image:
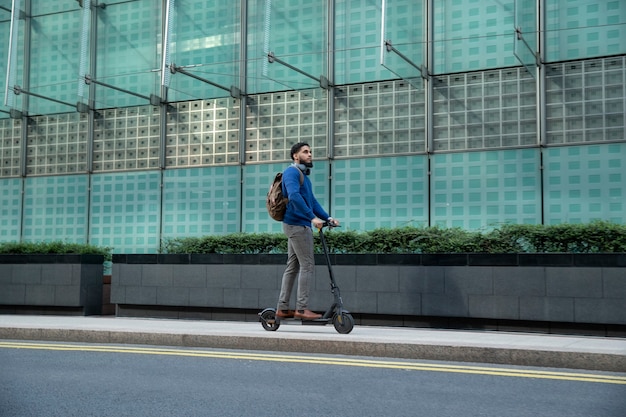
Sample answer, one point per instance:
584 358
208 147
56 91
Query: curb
437 352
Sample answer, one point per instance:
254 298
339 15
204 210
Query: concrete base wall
564 288
51 283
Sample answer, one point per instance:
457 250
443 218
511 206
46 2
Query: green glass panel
202 198
494 179
10 209
53 209
210 50
128 52
381 201
296 33
602 25
54 56
461 41
136 208
573 188
403 24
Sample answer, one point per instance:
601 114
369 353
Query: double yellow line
367 363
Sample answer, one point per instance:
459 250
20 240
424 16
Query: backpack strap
301 174
301 179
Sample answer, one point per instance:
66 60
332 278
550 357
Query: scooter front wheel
268 320
343 323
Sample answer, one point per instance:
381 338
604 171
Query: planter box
70 284
560 288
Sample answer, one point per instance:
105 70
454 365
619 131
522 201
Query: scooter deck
318 322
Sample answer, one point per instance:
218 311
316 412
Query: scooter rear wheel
268 321
343 324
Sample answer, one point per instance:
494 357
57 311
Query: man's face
304 156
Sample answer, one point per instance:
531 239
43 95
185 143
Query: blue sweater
302 207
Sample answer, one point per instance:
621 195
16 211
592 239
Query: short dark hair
296 148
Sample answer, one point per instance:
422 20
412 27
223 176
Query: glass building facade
128 122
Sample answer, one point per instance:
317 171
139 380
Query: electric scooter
340 318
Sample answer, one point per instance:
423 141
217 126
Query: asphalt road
55 379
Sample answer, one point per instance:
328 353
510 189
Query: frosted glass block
474 117
457 144
573 124
594 122
574 137
493 142
615 120
510 128
510 87
475 130
386 99
527 99
574 109
492 116
441 132
457 106
458 132
553 111
441 145
594 135
593 79
510 101
528 113
370 150
474 91
573 96
400 111
492 89
509 141
492 103
475 143
613 77
474 103
527 127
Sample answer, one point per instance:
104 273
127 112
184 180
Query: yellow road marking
367 363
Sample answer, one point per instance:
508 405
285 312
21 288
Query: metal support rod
89 80
234 91
271 58
391 48
330 106
429 143
243 108
17 90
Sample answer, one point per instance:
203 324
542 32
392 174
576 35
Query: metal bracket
84 108
15 114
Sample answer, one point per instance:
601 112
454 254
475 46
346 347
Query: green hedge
595 237
55 248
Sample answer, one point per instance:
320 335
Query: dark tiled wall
567 288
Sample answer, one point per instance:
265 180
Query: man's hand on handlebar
331 222
319 223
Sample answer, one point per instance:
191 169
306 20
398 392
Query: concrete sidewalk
525 349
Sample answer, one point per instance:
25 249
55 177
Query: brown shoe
307 315
285 314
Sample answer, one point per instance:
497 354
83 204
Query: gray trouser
300 264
